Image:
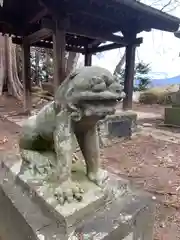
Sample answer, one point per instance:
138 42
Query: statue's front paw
99 177
68 191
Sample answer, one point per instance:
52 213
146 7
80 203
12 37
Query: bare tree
9 74
71 62
120 64
36 75
163 5
2 64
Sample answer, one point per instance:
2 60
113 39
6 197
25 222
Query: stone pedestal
120 125
172 115
28 211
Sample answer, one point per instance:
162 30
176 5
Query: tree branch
166 5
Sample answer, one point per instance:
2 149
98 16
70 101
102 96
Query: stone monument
172 114
51 197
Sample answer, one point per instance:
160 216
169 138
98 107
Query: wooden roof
88 20
177 34
73 43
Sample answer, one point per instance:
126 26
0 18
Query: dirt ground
154 166
13 106
149 163
9 133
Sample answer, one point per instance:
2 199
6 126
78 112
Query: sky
160 49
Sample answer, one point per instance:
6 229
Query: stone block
117 212
120 125
172 116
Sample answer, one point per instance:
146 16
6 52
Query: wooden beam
105 48
81 31
26 76
111 46
87 59
49 44
84 31
99 36
90 10
40 14
94 43
59 46
177 34
39 35
129 76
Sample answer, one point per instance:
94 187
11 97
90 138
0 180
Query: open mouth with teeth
100 103
100 107
94 91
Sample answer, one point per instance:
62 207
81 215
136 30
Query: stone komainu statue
46 143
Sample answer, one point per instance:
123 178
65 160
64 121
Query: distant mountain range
163 81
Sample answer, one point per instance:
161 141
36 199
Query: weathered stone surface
129 218
147 125
129 116
46 143
122 213
121 125
172 116
21 217
176 98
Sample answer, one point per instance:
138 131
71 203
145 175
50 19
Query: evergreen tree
141 76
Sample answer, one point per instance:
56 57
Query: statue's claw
99 177
68 191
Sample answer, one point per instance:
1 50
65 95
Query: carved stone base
117 212
120 125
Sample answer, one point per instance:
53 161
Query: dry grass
159 95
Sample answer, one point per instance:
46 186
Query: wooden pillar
59 47
129 76
87 59
26 76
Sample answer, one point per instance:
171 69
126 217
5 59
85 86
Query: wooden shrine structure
177 34
80 26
